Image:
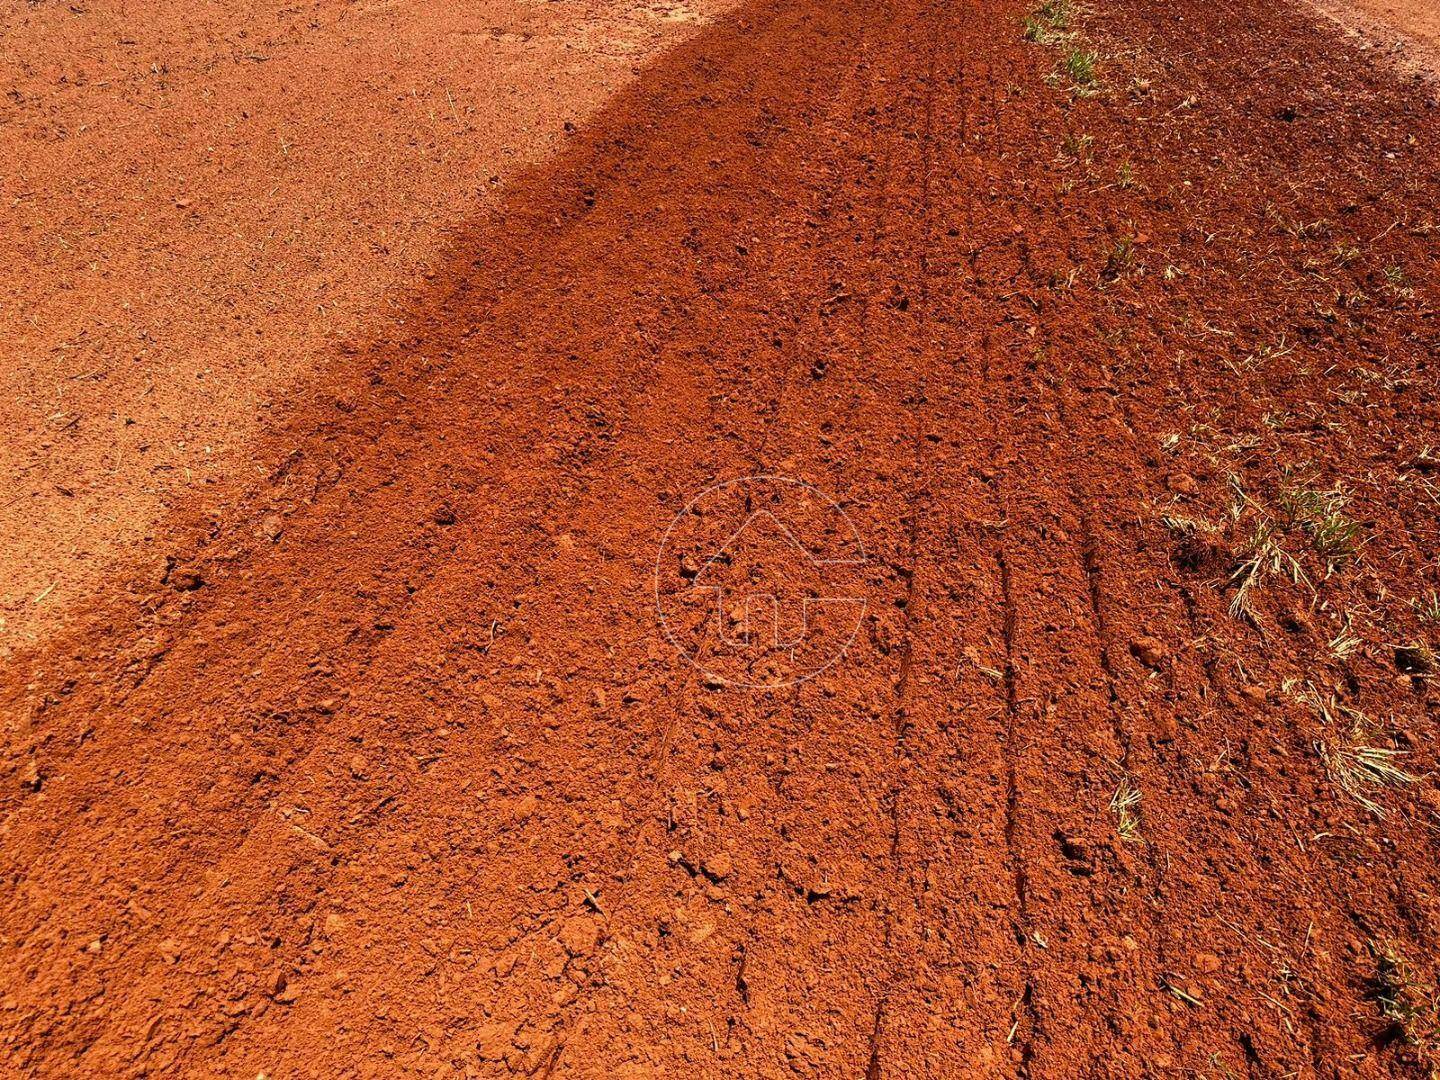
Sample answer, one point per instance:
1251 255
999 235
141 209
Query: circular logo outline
862 558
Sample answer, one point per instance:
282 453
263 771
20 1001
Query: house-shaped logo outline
859 557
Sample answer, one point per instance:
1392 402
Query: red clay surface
199 199
1418 18
395 772
1405 32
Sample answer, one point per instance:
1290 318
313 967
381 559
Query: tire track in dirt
1105 640
1155 773
914 246
1072 860
950 735
702 749
1028 1026
1118 574
996 257
855 368
761 955
1118 457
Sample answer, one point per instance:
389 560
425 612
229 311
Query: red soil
201 198
1407 31
396 773
1416 17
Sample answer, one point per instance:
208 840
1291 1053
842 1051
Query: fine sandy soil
1126 381
199 201
1419 19
1405 32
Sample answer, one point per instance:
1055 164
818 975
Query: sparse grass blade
1347 749
1335 536
1125 805
1080 64
1427 607
1406 1000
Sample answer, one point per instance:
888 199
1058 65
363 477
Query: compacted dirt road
1125 378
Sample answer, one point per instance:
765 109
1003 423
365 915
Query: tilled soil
1129 389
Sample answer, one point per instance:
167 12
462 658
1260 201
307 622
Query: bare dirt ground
1416 19
201 200
1405 32
1115 340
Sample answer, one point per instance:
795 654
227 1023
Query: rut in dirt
397 773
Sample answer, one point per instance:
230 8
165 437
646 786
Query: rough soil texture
199 200
1131 395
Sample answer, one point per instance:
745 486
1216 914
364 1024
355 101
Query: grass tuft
1334 535
1336 538
1346 747
1262 557
1411 1007
1125 805
1427 607
1048 23
1080 64
1120 260
1344 644
1080 148
1398 282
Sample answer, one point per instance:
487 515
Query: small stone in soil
1149 651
